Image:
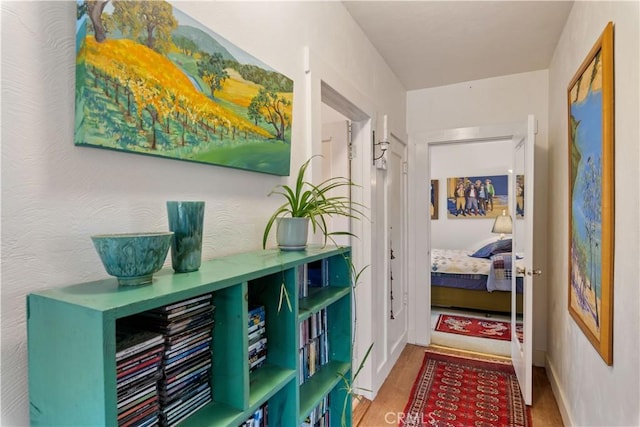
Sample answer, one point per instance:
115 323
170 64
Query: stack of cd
257 338
187 327
138 361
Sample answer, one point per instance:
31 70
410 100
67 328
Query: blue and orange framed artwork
152 80
481 196
591 195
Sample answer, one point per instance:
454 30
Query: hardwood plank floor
394 394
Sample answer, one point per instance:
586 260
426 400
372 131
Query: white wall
56 195
496 101
589 392
456 160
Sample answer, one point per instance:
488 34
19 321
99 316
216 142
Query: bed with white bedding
479 283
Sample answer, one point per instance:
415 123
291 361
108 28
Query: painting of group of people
477 196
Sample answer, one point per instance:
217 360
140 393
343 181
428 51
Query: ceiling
436 43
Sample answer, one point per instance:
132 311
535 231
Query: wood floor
394 394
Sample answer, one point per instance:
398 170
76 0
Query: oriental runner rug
474 327
453 390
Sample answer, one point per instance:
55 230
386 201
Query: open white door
521 206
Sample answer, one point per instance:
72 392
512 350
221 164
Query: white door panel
396 208
521 207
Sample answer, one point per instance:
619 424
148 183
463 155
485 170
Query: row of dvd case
312 275
186 329
257 339
138 368
314 344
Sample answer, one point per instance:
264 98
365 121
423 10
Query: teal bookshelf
72 340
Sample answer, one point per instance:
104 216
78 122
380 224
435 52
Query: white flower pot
292 233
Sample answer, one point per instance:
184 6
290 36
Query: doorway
463 314
520 135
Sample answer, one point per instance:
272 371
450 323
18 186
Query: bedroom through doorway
470 303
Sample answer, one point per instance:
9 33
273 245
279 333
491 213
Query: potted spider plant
305 204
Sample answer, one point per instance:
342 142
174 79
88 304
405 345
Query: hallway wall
56 195
589 392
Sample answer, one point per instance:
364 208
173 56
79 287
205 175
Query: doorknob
522 271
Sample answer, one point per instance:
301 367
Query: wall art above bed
477 196
152 80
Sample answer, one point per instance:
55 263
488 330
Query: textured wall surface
592 393
56 195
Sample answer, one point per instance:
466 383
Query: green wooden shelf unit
72 340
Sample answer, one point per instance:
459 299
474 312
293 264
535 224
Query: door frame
419 240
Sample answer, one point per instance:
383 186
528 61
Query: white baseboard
557 392
539 357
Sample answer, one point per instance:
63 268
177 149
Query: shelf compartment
321 384
265 382
215 414
281 337
319 298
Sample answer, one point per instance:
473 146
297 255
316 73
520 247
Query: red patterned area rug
465 391
473 327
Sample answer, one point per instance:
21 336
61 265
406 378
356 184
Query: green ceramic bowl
133 257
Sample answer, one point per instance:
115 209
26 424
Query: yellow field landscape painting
179 91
